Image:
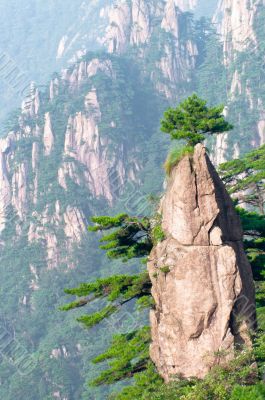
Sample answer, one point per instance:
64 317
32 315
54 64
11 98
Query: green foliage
114 287
74 304
145 387
145 302
175 155
131 239
245 178
256 392
252 222
127 355
91 320
254 229
219 384
165 269
107 222
157 233
192 120
118 289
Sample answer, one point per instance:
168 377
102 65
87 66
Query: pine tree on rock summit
192 120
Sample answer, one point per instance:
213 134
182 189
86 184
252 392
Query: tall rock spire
202 281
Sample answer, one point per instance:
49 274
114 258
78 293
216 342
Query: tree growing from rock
192 120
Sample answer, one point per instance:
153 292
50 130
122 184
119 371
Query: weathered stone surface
5 187
48 137
85 160
209 288
236 18
236 22
196 202
131 23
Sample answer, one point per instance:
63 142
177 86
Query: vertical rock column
202 281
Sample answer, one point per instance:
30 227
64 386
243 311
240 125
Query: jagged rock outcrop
48 136
83 70
48 153
235 19
5 187
239 24
125 26
68 155
202 281
129 24
132 26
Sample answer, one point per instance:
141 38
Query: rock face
136 24
81 157
202 281
151 29
236 20
239 24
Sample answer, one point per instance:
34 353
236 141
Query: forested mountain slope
86 143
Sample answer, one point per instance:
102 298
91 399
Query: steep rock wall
155 30
235 19
240 25
47 153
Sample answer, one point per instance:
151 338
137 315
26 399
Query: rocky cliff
88 141
71 153
154 30
236 19
81 156
240 25
79 134
77 148
202 281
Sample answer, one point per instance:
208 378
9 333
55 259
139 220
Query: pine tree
131 239
245 178
192 120
124 238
